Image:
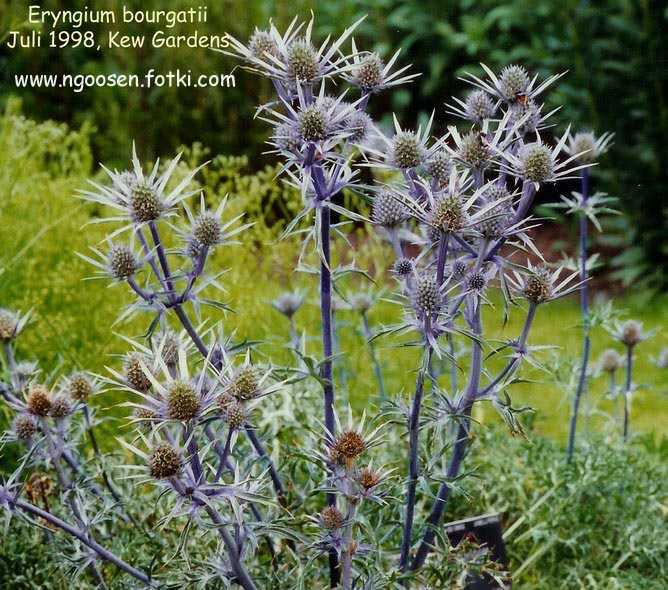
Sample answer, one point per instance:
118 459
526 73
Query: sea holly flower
405 150
538 163
537 284
587 146
293 58
513 84
141 199
371 75
478 106
12 324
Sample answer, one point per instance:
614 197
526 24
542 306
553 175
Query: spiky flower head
331 518
313 123
630 333
286 137
133 371
496 220
426 294
476 281
24 426
459 269
368 478
480 105
347 446
235 414
514 80
610 360
39 401
80 387
527 108
588 147
368 75
447 214
164 461
537 162
60 406
126 182
207 228
439 166
122 262
302 61
473 150
407 150
261 44
193 249
182 401
246 384
538 285
145 203
144 416
168 344
403 267
25 371
288 303
387 210
9 322
358 126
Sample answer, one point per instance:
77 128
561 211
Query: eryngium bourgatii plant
455 210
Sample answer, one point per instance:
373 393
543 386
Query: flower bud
313 123
388 211
207 228
480 106
39 401
610 360
537 162
331 518
24 426
145 203
473 150
246 384
262 44
426 294
164 461
80 387
9 322
407 152
513 80
630 332
122 262
368 75
182 401
302 61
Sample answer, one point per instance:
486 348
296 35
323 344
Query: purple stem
627 392
459 450
85 540
413 459
584 308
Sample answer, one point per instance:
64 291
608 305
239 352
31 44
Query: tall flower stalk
589 149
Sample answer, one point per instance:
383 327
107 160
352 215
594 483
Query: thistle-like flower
143 198
11 324
610 360
587 147
388 211
80 386
38 402
538 284
288 303
538 163
630 333
292 58
513 84
478 106
368 72
24 426
164 461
